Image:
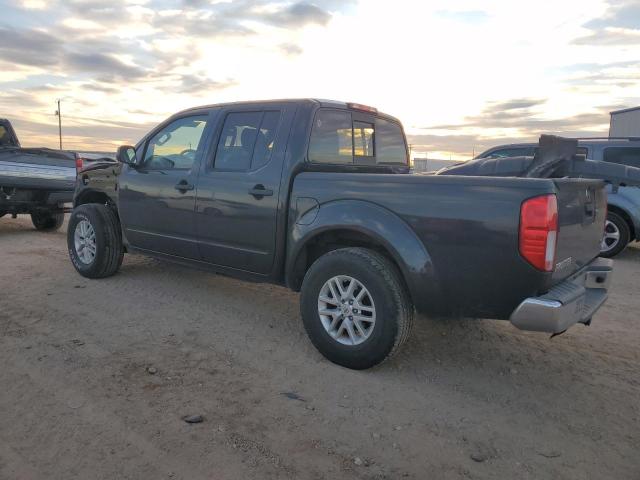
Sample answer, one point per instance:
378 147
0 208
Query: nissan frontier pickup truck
318 196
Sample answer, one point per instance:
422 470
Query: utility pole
59 114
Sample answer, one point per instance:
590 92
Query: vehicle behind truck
39 181
316 195
623 219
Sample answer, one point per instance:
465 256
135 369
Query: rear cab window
343 137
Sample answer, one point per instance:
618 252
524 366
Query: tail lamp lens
539 231
79 164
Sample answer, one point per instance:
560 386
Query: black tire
2 213
47 221
620 224
108 240
394 310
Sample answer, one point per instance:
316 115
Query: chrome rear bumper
573 301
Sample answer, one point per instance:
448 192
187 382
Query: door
157 197
239 186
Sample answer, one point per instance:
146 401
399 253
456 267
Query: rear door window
624 155
336 138
246 140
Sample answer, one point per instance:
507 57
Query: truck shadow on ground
457 352
10 226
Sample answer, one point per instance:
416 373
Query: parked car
317 195
623 220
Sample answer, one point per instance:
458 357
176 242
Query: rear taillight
539 231
79 164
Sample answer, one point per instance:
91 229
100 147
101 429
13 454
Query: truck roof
317 101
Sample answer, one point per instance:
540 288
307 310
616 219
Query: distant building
625 123
421 165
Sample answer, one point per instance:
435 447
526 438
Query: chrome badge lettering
567 262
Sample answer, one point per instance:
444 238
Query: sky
461 75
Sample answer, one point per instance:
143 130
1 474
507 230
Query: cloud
41 49
11 99
515 104
465 16
291 49
100 87
201 18
298 15
518 120
618 26
102 12
505 113
201 84
610 37
29 47
100 63
622 14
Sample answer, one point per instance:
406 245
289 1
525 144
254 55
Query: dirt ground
470 399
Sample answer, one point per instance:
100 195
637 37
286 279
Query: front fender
384 228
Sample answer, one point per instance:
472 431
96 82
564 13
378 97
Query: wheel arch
92 196
354 223
627 218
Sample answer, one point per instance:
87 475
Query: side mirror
127 154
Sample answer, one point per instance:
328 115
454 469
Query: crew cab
317 195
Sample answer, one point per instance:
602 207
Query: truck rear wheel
355 307
616 235
94 241
47 220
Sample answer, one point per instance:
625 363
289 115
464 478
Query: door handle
260 191
183 186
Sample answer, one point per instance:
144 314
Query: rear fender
384 228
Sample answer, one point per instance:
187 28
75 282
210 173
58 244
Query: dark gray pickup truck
317 195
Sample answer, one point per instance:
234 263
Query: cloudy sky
462 75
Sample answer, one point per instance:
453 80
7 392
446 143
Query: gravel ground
96 376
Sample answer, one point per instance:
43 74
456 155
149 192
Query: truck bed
38 169
470 228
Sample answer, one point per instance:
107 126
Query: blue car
623 220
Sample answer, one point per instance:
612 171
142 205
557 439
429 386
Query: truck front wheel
47 220
355 307
94 241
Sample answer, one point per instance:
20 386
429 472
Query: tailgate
37 168
582 208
